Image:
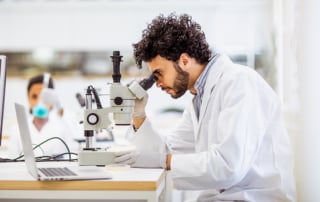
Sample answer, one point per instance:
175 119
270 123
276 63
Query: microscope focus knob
118 100
92 119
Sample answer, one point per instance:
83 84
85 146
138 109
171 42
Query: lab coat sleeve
241 123
147 138
181 140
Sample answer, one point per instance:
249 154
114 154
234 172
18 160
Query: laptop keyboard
51 172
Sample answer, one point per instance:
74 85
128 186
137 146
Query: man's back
242 147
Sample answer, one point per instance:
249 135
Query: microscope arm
96 119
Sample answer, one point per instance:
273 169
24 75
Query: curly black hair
171 36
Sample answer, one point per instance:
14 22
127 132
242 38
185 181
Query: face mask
40 110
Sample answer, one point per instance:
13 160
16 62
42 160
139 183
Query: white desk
130 184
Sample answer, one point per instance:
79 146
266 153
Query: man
231 142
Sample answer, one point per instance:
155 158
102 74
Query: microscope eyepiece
116 59
116 53
148 82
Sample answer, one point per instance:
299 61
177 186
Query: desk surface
14 176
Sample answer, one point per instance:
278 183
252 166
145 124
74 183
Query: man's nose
159 83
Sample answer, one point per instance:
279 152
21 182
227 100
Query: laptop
52 173
3 70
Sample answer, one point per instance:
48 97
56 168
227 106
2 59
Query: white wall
81 26
104 25
308 140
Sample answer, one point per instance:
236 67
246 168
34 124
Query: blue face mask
40 110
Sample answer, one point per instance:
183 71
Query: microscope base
98 157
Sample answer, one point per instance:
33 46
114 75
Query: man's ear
184 60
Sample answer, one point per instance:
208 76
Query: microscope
122 99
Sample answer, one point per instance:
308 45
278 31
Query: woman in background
47 120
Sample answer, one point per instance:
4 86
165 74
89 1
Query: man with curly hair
231 143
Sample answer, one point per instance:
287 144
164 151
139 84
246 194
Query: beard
180 85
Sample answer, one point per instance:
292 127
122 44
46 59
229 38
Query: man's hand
141 159
139 107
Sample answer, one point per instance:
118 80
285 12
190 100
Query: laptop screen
3 72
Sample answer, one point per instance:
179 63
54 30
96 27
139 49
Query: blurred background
74 39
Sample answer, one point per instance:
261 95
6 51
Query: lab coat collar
213 78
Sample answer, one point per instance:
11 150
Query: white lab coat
239 148
55 127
